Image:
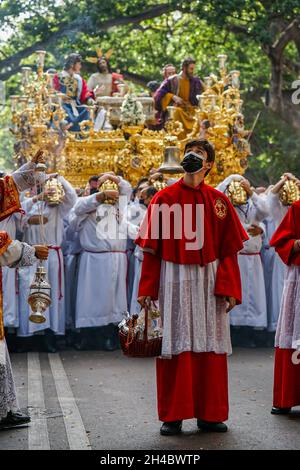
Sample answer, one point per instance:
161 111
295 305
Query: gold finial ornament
236 193
289 193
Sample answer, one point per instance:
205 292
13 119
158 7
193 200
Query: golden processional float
129 148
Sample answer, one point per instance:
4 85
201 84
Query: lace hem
193 318
8 396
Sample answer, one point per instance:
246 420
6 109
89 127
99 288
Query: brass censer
39 297
109 185
289 193
54 192
236 193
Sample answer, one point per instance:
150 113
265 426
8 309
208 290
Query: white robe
55 314
101 292
275 269
253 310
134 214
71 250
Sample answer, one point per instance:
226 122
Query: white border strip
77 437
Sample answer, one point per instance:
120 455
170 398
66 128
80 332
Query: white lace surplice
194 319
288 328
8 397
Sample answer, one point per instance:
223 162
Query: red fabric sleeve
150 276
228 279
56 83
86 93
285 236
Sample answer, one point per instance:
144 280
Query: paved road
99 400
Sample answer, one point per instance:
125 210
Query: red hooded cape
286 234
223 237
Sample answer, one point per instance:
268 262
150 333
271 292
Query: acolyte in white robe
101 292
275 270
253 310
17 254
135 213
71 251
54 229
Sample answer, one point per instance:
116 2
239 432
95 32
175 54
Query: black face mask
192 162
142 202
93 191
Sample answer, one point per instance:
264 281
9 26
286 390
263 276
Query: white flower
132 111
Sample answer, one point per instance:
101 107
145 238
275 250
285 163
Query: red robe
286 392
9 203
192 385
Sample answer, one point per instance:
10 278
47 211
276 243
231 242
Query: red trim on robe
286 391
286 234
193 385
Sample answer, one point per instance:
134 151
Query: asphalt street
102 400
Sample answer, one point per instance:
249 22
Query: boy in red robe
286 241
190 238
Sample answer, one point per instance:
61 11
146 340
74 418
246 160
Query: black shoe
49 342
14 419
171 428
24 344
211 427
280 411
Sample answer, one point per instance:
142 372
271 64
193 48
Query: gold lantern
54 192
236 193
39 298
289 193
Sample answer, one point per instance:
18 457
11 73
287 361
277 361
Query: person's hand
111 194
231 301
289 176
255 230
41 251
38 157
246 185
177 100
296 246
99 89
107 194
144 300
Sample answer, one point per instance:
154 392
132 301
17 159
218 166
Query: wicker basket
133 347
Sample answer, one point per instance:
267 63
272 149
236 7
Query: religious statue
241 136
105 82
73 86
181 91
